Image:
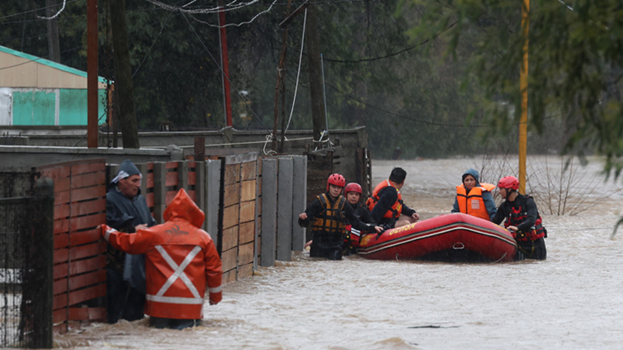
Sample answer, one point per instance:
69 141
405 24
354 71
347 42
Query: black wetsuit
527 249
363 214
330 244
387 197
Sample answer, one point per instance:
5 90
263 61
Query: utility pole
92 76
315 72
280 87
225 65
523 87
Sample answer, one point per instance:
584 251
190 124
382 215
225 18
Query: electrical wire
56 15
394 53
226 77
417 120
152 45
234 24
298 72
37 9
228 7
37 59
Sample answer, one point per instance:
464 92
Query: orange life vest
395 210
471 203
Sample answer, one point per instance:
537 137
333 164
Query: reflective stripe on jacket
472 203
331 219
396 208
181 260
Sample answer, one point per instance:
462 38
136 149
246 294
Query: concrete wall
24 157
49 145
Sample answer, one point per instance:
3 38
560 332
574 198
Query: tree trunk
54 47
123 75
315 73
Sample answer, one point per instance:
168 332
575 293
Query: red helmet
509 182
337 180
353 187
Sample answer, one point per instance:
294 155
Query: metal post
299 200
44 264
284 210
523 85
324 94
269 212
92 78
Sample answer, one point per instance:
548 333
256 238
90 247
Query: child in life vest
522 220
327 215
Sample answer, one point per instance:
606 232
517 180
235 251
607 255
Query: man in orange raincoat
181 259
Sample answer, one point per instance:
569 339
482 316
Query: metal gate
26 269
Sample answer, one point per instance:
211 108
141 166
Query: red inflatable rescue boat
452 237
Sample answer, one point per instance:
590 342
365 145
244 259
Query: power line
37 9
417 120
37 59
56 15
226 77
234 5
394 53
152 44
234 24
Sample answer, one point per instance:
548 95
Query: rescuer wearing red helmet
353 192
522 219
327 215
386 205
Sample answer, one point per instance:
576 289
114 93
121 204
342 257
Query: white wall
6 104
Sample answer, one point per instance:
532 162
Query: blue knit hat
126 169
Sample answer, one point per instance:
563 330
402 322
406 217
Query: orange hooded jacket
180 260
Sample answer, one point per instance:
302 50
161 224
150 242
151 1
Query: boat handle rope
500 259
458 246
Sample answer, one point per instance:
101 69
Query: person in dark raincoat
126 211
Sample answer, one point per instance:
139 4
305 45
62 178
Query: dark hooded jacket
124 214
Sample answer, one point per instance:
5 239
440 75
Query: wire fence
25 266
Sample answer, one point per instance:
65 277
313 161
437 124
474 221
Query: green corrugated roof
47 63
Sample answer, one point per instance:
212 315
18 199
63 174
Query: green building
36 91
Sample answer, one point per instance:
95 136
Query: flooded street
572 300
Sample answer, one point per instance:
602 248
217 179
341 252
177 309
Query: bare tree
124 89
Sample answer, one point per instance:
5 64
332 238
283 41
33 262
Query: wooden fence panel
79 252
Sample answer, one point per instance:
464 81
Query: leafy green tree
574 67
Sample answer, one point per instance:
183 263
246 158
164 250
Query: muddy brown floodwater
573 300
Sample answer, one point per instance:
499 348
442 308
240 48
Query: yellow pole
523 84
